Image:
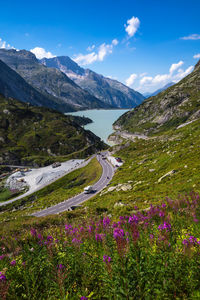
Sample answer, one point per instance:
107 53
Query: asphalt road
107 174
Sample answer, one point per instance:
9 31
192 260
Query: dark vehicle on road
56 164
118 159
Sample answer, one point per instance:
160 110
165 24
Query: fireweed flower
90 229
98 237
81 229
40 236
151 236
33 232
75 241
2 277
133 219
165 227
49 238
60 267
68 227
195 218
106 259
106 222
191 241
161 214
135 234
13 263
2 257
118 233
114 225
75 230
121 240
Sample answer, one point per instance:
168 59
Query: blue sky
143 43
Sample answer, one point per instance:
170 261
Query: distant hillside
147 95
49 81
109 91
32 135
14 86
178 104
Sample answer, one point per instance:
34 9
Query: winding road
34 189
107 174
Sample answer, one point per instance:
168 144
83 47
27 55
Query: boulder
170 173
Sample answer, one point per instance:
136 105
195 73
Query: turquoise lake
102 120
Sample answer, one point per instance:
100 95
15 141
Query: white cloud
193 37
86 59
41 53
150 83
132 26
174 67
5 45
111 77
131 79
143 74
103 50
146 80
115 42
90 48
181 73
196 56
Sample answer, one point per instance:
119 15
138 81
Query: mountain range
12 85
51 83
176 105
109 91
62 84
147 95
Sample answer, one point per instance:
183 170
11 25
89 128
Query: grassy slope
31 135
176 150
176 105
148 160
64 188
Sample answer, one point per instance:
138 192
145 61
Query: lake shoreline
103 120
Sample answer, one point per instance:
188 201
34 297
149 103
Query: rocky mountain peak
109 91
63 63
14 56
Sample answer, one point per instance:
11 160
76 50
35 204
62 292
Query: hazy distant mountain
147 95
49 81
107 90
14 86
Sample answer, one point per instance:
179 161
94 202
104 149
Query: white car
88 189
